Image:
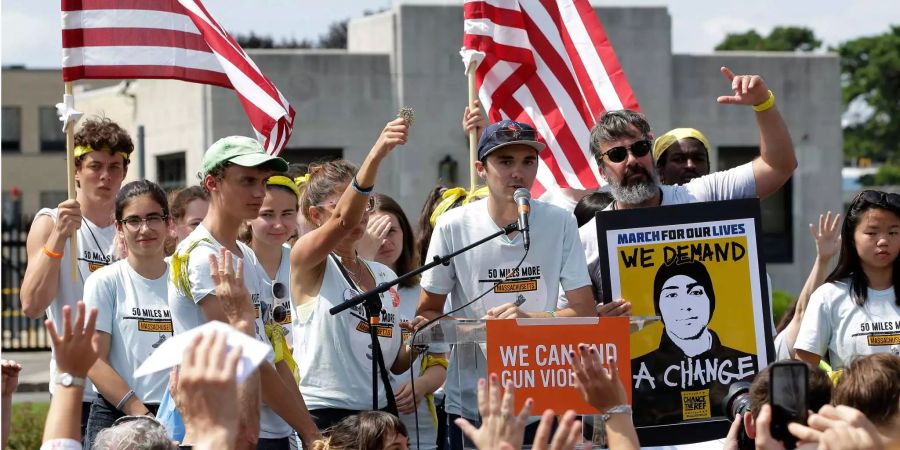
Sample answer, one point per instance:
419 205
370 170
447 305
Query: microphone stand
371 301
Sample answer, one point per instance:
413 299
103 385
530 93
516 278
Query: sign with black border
699 267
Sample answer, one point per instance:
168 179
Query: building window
12 129
776 210
53 138
49 199
170 171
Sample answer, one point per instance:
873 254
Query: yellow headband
665 141
452 195
301 179
281 180
81 150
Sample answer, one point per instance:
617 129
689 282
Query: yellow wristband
766 105
51 253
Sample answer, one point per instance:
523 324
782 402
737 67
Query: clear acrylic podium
468 337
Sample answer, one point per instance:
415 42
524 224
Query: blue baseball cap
506 133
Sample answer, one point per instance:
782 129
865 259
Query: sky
30 28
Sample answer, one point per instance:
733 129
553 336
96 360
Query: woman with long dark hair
856 312
132 309
395 247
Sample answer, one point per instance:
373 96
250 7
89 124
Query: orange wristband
50 253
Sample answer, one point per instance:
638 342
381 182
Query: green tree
870 74
781 39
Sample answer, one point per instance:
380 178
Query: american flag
177 39
548 63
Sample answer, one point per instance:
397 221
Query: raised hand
231 292
207 389
567 435
748 89
11 371
828 235
376 230
601 388
395 133
839 428
498 422
72 349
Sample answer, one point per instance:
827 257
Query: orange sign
534 355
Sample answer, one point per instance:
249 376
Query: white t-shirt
409 299
554 262
835 326
134 311
730 184
333 352
187 314
95 247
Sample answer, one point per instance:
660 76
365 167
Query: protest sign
698 267
534 355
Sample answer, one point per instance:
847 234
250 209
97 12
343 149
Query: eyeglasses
133 223
618 154
370 206
878 198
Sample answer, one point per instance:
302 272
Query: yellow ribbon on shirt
180 276
452 195
429 361
275 333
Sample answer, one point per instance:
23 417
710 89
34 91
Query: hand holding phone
788 391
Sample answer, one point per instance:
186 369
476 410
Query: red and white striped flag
547 63
177 39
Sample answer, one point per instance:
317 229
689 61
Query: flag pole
473 134
70 177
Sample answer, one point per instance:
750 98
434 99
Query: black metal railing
20 333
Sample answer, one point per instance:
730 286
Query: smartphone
788 389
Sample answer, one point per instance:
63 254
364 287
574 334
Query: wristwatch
68 380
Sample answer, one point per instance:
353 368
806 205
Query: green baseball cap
242 151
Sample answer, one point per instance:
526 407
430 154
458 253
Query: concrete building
408 55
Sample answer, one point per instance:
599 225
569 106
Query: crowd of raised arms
268 248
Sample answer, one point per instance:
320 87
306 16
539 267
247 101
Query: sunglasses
279 292
514 134
618 154
878 198
370 206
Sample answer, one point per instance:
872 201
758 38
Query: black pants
274 444
102 415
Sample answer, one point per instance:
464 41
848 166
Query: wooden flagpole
473 134
70 176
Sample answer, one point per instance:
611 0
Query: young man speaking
507 160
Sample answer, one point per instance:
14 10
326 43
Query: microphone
523 201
